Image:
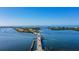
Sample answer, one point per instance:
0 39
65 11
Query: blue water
62 40
10 40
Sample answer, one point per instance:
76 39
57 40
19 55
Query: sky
24 16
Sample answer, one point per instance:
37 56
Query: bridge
38 37
38 40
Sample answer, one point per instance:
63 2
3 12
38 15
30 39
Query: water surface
11 40
57 40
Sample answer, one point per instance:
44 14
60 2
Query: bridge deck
39 43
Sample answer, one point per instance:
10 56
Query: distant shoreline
75 28
64 28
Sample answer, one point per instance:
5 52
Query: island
64 28
28 30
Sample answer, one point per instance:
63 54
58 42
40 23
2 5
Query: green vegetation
64 28
28 30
